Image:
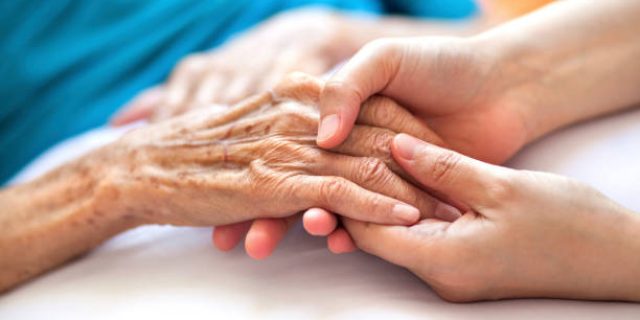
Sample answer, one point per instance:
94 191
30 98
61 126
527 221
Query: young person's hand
522 234
452 106
455 86
488 95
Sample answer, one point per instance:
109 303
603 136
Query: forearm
571 61
55 218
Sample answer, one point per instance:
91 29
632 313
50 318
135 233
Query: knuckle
501 188
373 171
445 167
331 189
381 144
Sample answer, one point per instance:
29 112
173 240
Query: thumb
448 172
366 74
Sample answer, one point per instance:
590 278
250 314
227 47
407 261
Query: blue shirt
67 65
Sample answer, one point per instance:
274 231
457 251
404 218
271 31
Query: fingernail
406 213
406 145
328 127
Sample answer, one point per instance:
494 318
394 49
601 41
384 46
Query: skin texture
450 83
498 87
308 40
263 236
522 233
257 159
489 95
457 110
305 40
525 234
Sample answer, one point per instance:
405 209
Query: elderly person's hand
307 40
380 119
453 91
522 234
257 159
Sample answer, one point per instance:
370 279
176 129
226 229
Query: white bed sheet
164 272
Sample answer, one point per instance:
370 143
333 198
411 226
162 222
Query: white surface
166 273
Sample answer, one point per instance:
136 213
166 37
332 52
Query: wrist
516 75
54 218
114 194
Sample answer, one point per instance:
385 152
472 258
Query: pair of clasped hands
494 232
483 231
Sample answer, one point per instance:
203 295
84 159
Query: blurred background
69 65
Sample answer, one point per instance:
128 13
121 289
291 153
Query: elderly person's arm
258 159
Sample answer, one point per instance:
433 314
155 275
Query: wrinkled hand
524 234
368 139
302 40
257 159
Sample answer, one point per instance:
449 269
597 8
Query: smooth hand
522 234
456 86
